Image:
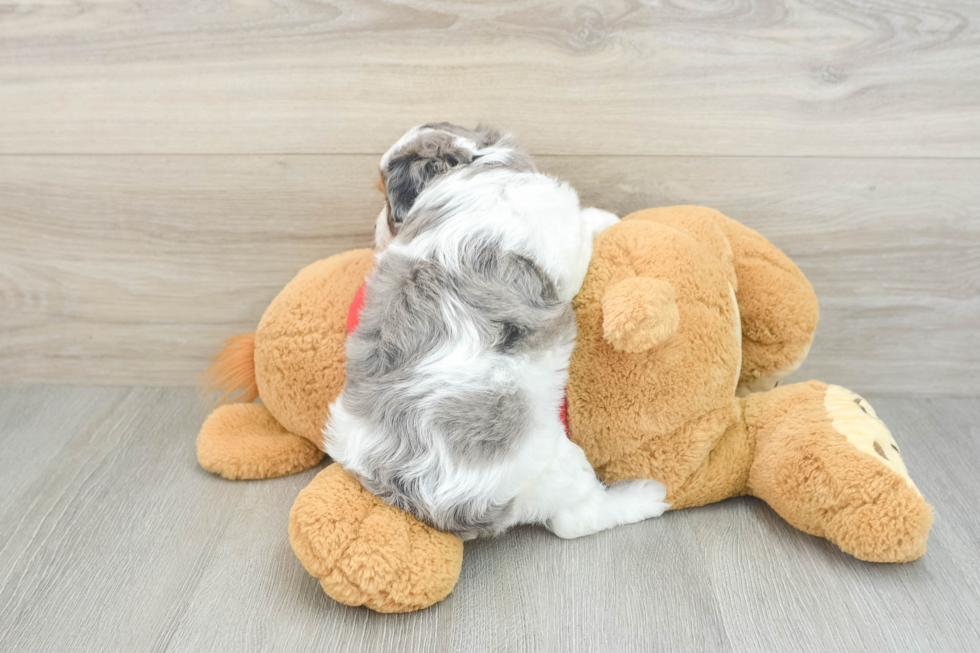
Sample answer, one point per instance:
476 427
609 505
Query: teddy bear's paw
883 517
639 313
826 463
368 553
853 417
244 441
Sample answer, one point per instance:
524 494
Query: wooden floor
115 540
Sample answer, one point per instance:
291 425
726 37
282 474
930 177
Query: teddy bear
687 322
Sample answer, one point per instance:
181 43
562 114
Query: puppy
457 370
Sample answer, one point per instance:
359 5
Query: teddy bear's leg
366 552
830 467
244 441
778 308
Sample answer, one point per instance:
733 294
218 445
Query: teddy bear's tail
231 370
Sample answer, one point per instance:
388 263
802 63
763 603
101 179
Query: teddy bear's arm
778 308
244 441
777 304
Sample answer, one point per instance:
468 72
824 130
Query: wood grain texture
734 77
134 269
114 539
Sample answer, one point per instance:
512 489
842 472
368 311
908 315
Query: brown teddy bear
687 321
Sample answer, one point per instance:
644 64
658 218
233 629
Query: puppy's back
442 384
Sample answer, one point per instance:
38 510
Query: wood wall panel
133 269
733 77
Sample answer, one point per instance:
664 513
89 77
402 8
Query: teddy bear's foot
830 467
368 553
244 441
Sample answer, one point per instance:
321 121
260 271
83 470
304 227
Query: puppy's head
426 153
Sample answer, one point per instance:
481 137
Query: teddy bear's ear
639 313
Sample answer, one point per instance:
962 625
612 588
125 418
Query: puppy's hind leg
579 504
625 502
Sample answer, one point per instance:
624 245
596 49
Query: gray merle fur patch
431 155
412 315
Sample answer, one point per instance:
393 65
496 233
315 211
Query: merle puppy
457 370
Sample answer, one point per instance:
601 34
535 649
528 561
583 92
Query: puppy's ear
408 172
487 135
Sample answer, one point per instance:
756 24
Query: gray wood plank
112 531
761 77
133 270
114 539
